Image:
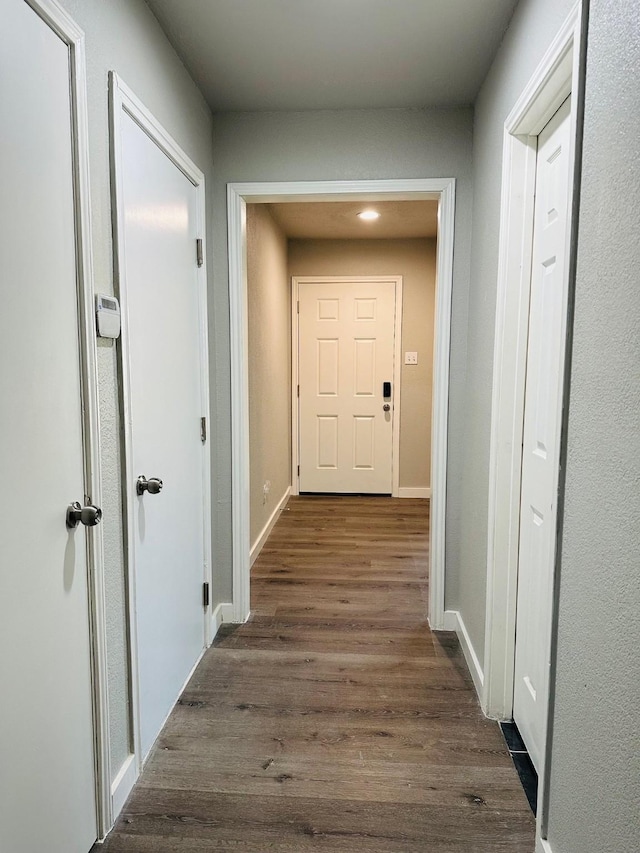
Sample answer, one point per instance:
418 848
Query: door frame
556 77
73 36
238 196
297 280
123 100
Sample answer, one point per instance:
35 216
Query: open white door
346 342
165 363
47 769
542 421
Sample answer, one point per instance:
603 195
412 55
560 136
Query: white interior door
159 204
542 422
47 775
345 354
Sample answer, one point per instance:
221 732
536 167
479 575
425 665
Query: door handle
386 408
153 485
386 389
88 515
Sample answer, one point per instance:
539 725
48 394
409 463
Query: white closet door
542 421
163 314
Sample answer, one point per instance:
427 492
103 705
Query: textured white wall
350 144
123 35
531 31
595 781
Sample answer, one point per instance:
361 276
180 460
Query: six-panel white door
345 354
165 377
541 445
47 775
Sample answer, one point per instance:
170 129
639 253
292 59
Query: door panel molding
123 101
296 281
238 195
555 78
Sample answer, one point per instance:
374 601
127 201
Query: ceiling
339 220
335 54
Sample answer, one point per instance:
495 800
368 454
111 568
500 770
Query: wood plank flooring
334 720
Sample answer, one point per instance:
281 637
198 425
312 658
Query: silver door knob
386 408
88 515
153 485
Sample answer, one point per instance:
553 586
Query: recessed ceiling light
369 214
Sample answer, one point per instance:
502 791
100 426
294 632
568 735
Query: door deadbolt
88 515
153 485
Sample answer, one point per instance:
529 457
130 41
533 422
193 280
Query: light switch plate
411 358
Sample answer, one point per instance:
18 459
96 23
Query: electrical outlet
411 358
265 490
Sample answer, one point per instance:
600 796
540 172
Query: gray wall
531 31
124 36
354 145
269 322
595 768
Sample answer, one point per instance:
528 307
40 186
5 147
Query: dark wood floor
334 720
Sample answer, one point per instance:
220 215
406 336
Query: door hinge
298 470
298 390
203 430
205 594
298 306
199 255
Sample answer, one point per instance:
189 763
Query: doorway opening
440 191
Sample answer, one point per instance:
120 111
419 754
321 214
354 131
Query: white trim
414 492
70 33
396 407
123 784
542 845
549 86
259 544
123 100
222 614
239 351
296 281
442 189
295 402
440 414
453 621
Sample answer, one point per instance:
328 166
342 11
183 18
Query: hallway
334 720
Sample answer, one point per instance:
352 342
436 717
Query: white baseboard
413 492
221 614
454 622
543 846
122 785
258 545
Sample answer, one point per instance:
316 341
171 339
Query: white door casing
162 288
50 574
345 352
541 445
238 195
